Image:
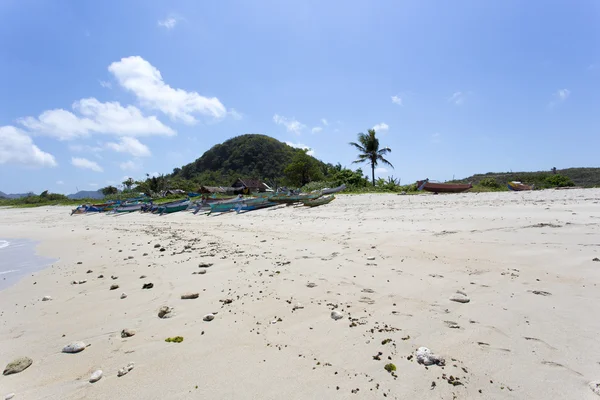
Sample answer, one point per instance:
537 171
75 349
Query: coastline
19 258
389 263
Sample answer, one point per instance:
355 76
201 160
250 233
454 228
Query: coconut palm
368 145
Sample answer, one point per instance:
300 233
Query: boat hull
318 202
518 187
443 187
285 199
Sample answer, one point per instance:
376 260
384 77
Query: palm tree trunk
373 172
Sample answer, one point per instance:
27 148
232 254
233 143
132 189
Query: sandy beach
387 264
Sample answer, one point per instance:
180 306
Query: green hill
251 155
586 177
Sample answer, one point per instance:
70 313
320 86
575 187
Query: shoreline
389 264
19 258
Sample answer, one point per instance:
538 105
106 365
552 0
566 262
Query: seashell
208 317
96 376
74 347
335 314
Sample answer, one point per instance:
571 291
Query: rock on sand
96 376
74 347
17 365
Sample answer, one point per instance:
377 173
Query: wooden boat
516 186
436 187
333 190
228 205
318 202
205 204
128 208
294 198
253 204
171 208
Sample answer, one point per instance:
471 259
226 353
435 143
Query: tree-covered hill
251 155
586 177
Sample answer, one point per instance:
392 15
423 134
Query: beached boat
333 190
293 198
171 208
437 187
516 186
128 208
318 202
253 204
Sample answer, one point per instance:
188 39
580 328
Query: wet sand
389 264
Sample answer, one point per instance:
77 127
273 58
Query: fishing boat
437 187
171 208
333 190
225 206
128 208
253 204
318 202
293 198
205 203
85 208
517 186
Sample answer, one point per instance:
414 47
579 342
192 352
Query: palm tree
368 145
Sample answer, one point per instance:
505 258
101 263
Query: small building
250 185
219 190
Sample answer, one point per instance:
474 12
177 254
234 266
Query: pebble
74 347
123 295
17 365
89 271
114 287
298 306
100 276
165 312
426 357
595 386
9 396
208 317
460 297
46 298
157 245
125 370
311 285
125 333
335 314
96 376
143 276
205 265
148 286
81 282
190 296
202 271
370 258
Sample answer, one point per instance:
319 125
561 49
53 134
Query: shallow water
17 259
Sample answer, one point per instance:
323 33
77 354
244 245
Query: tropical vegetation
369 151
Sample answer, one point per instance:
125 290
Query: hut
250 185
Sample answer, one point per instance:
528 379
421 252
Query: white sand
507 342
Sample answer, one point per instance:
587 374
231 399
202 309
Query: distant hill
13 196
586 177
86 194
245 156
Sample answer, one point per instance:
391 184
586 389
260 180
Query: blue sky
95 91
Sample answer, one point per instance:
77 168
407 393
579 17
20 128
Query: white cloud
60 183
563 94
235 114
106 84
18 148
291 124
457 98
145 81
310 151
84 163
96 117
381 127
168 23
316 129
129 166
84 148
324 122
397 100
130 145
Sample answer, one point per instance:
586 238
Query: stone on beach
114 287
125 370
46 298
96 376
148 286
205 265
460 297
74 347
189 296
123 295
595 386
335 314
17 365
125 333
208 317
9 396
165 312
426 357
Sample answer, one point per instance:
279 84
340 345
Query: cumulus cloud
106 84
397 100
95 117
291 124
146 83
130 145
457 98
168 23
84 163
381 127
310 151
316 129
18 148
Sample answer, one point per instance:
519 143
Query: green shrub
489 183
559 181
